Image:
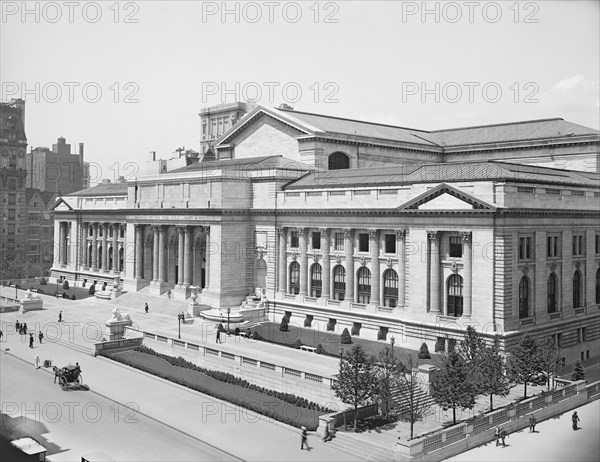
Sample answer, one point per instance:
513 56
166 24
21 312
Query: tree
578 371
389 370
472 346
92 289
525 363
451 386
413 402
549 354
492 378
65 285
346 339
424 352
357 383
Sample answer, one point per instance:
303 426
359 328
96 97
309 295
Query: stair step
360 448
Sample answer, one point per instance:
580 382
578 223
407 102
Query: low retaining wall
117 345
264 374
480 430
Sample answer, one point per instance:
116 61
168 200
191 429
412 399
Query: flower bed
284 407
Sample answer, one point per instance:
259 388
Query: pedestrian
532 422
40 336
25 328
1 335
169 293
304 439
327 434
60 317
30 340
502 436
575 419
36 361
218 335
17 326
146 308
497 434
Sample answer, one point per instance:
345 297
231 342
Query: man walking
218 335
575 419
532 422
30 340
40 336
146 308
60 317
304 439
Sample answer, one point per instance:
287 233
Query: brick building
387 231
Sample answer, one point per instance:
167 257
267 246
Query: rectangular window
525 189
390 243
552 247
553 191
584 334
294 239
577 193
316 240
578 245
339 241
456 248
597 244
11 214
12 199
363 242
525 251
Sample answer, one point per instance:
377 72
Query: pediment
446 197
60 206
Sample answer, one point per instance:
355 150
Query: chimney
152 155
81 153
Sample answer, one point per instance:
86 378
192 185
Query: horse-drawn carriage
68 376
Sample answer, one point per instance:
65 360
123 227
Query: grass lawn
256 401
50 289
331 342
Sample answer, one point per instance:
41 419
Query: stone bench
308 348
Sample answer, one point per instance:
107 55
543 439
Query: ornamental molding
389 262
553 266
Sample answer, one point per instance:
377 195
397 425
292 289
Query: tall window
390 288
524 298
598 287
364 285
294 239
390 243
315 277
316 239
577 289
578 245
338 161
363 242
552 247
525 251
339 283
295 278
552 293
339 241
455 296
456 248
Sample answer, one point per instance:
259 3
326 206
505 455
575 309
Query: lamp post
228 311
180 317
392 341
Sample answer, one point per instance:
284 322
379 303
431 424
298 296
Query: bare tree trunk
355 418
454 413
491 403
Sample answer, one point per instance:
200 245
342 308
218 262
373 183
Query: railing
125 343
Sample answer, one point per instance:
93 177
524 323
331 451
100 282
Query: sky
127 78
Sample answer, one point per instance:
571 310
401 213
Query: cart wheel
79 380
63 383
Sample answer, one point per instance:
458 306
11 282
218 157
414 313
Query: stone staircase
358 445
252 309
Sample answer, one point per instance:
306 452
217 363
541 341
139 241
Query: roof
323 125
252 163
446 172
110 189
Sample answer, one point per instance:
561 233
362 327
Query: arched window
89 259
295 278
455 296
315 280
598 287
552 293
390 288
99 258
339 283
364 285
110 257
577 290
524 298
338 161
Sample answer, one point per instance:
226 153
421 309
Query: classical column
401 248
207 255
95 247
434 276
155 251
180 254
468 274
104 246
325 284
303 261
349 253
282 260
83 246
61 242
115 247
162 254
187 256
139 251
375 270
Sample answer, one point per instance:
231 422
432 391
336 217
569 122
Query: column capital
401 234
466 237
348 233
373 233
122 225
205 229
433 235
324 232
157 228
181 229
281 229
301 231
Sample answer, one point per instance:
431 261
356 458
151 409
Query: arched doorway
455 295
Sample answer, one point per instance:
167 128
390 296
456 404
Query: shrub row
310 421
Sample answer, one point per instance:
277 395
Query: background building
383 230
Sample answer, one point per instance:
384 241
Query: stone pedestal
31 305
181 292
133 285
194 308
116 292
115 330
158 288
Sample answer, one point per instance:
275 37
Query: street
75 422
553 440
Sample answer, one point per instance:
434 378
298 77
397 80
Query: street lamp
228 311
180 317
392 341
